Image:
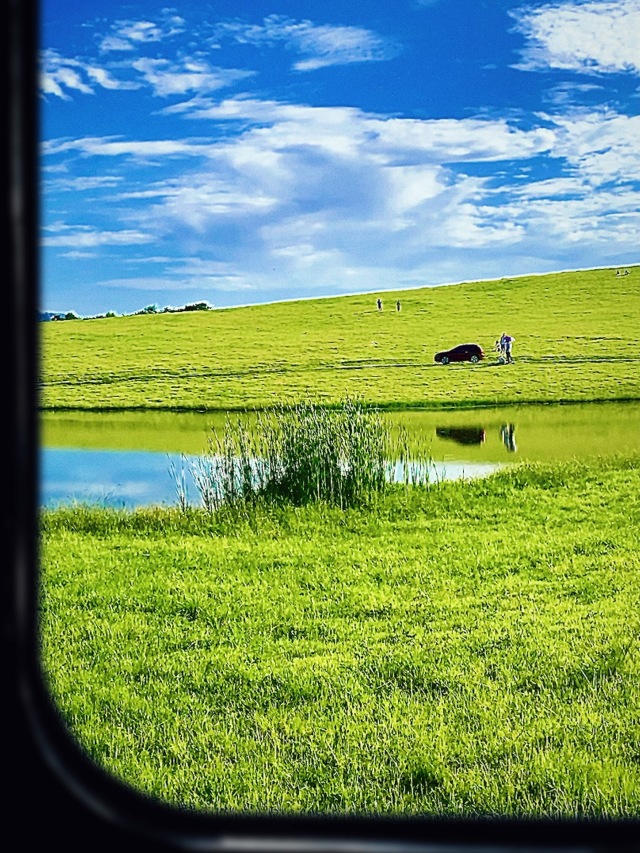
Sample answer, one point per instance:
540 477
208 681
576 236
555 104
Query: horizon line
214 307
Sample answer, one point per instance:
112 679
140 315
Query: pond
125 459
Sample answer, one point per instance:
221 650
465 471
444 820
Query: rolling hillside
576 340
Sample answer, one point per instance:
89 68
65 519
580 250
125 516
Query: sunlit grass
465 649
575 341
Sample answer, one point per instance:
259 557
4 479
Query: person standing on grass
379 303
501 345
506 342
398 305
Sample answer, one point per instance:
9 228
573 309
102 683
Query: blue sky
254 150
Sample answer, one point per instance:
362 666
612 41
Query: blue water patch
122 479
129 479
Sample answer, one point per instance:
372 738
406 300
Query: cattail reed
303 453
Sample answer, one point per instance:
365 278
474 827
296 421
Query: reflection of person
507 433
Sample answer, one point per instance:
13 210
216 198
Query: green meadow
456 648
576 340
467 649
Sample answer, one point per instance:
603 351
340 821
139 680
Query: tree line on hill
149 309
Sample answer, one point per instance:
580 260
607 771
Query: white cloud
170 78
602 147
198 199
606 218
339 199
77 256
59 74
81 183
114 147
600 36
552 188
129 35
565 95
103 78
84 237
319 45
347 131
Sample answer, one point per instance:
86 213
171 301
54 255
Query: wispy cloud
81 237
117 147
59 75
188 75
568 94
319 45
347 131
601 146
318 193
594 37
253 192
129 35
82 183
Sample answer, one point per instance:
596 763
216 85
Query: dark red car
463 352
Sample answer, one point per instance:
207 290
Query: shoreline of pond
382 407
122 453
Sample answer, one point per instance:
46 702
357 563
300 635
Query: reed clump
303 453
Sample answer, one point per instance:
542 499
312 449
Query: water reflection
124 459
108 478
462 435
128 479
507 434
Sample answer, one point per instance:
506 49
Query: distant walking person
506 342
379 303
398 305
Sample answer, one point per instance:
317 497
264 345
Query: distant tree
150 309
197 306
70 315
110 314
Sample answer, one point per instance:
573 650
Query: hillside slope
575 340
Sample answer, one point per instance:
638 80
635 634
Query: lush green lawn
576 339
468 649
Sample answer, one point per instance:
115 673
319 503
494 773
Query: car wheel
445 360
474 359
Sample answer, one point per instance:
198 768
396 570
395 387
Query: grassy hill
575 341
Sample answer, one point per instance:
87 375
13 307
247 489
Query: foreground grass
576 340
470 649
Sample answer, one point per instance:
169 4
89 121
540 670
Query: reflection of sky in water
439 471
136 478
108 478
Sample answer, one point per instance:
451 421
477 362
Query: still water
125 459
